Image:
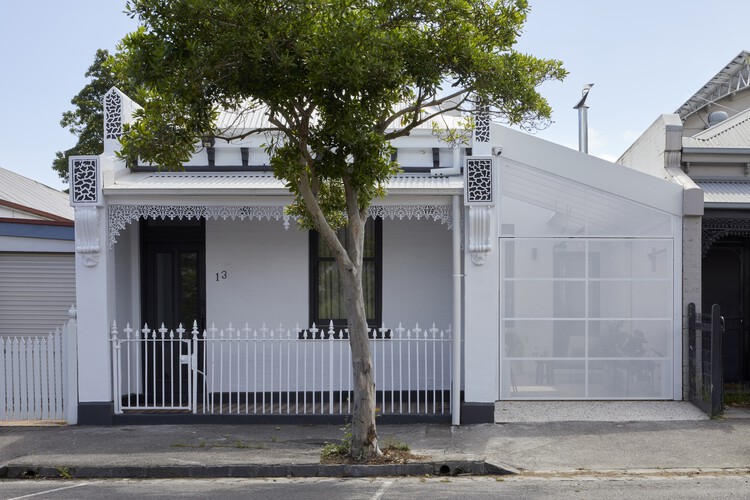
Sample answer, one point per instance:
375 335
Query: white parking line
51 491
379 494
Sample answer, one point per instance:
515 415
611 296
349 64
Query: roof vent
716 117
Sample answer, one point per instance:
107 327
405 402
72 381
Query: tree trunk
364 436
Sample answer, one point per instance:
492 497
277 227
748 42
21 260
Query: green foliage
86 121
337 79
333 451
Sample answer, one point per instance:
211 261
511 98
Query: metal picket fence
276 371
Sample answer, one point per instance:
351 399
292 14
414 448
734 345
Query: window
327 299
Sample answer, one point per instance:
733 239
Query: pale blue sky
644 57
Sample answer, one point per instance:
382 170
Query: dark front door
173 294
726 278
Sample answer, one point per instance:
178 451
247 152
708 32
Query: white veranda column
480 292
92 291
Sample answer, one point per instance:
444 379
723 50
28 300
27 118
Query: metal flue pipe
583 120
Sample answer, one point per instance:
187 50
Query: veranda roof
259 183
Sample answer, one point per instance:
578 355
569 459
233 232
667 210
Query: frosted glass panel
587 292
545 379
537 204
544 338
544 258
544 299
630 299
610 215
630 339
626 259
630 379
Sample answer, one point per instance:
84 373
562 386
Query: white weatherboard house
558 272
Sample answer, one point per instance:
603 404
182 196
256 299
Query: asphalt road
592 487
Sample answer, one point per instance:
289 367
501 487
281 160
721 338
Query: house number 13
221 276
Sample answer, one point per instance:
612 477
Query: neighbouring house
37 292
37 264
512 268
705 146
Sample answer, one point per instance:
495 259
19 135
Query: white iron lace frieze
438 213
84 180
120 216
87 235
479 181
482 125
715 228
112 114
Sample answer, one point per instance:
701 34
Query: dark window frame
315 259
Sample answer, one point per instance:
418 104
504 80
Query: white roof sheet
733 132
259 183
724 193
20 190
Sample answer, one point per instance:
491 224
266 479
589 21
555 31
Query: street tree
337 81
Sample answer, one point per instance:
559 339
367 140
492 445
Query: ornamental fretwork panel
482 125
112 115
84 180
479 182
715 228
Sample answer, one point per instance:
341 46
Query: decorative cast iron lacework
120 216
112 115
479 181
482 125
84 181
715 228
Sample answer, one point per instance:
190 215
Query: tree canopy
337 81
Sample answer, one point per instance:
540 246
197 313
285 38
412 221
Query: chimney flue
583 120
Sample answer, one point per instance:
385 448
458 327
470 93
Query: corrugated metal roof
20 190
261 183
233 122
725 192
733 132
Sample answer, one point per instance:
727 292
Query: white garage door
36 292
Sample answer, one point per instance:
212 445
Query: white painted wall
417 273
267 274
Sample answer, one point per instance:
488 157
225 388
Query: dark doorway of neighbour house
173 293
726 281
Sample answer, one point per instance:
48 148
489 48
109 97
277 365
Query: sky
645 58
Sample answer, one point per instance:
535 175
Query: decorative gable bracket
86 197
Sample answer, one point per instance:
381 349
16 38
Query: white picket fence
276 371
38 376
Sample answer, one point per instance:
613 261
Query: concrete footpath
564 447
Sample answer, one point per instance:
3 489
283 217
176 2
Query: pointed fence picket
279 371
